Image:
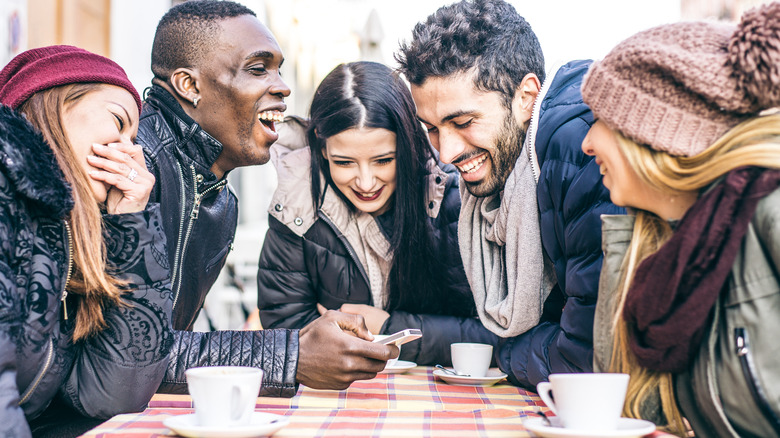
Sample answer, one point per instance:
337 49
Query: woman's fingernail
97 146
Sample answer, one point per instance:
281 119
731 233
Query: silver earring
195 101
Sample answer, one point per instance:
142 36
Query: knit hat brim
48 67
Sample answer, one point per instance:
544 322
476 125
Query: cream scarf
501 246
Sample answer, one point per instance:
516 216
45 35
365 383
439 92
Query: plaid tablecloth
414 404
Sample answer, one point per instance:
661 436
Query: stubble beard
506 150
252 154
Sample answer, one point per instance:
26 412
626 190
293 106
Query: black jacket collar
30 164
194 142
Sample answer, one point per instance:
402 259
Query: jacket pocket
742 344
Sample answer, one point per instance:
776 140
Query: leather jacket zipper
181 245
748 370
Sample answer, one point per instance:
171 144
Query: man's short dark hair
187 32
488 35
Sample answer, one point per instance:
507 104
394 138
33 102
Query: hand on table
336 349
122 166
374 317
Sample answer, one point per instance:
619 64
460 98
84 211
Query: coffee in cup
586 401
224 396
471 359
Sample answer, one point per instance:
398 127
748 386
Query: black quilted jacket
200 214
113 372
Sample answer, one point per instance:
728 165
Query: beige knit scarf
501 246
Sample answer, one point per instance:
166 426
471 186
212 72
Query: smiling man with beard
529 226
215 97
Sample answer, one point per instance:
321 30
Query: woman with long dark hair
377 233
85 303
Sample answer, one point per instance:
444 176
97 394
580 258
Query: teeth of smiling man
271 116
472 165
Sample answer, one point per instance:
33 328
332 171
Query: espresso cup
471 359
586 401
224 396
393 361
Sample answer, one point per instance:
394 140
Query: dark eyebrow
449 117
457 114
264 54
343 157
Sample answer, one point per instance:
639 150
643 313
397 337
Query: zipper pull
64 305
741 340
196 207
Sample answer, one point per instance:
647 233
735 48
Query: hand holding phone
399 338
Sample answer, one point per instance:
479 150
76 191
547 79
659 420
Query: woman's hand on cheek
375 317
122 166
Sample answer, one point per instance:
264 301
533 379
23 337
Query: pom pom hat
48 67
679 87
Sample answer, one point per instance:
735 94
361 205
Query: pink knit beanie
679 87
48 67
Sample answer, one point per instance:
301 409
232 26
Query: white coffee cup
224 396
390 362
471 359
586 401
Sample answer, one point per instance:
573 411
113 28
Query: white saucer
399 367
627 428
262 424
494 375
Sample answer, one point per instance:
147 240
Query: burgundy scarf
674 290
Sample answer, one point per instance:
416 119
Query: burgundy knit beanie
679 87
48 67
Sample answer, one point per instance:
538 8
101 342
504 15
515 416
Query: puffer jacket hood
33 168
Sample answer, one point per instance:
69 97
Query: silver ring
131 176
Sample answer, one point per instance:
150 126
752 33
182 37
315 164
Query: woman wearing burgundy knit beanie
85 302
689 297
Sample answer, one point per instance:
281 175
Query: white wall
13 17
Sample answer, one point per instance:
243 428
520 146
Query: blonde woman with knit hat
689 297
85 299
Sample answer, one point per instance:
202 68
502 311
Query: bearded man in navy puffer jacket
529 227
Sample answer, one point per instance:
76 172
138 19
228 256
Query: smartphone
401 337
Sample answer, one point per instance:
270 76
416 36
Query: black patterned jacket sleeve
119 369
11 413
264 349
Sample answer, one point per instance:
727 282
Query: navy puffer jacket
112 372
306 260
571 201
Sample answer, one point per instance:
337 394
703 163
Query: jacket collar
192 140
28 161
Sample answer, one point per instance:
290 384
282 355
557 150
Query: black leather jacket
200 214
112 372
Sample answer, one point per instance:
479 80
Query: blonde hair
94 287
755 142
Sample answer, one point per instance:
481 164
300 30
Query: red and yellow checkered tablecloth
414 404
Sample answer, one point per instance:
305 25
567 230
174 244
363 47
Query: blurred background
315 36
